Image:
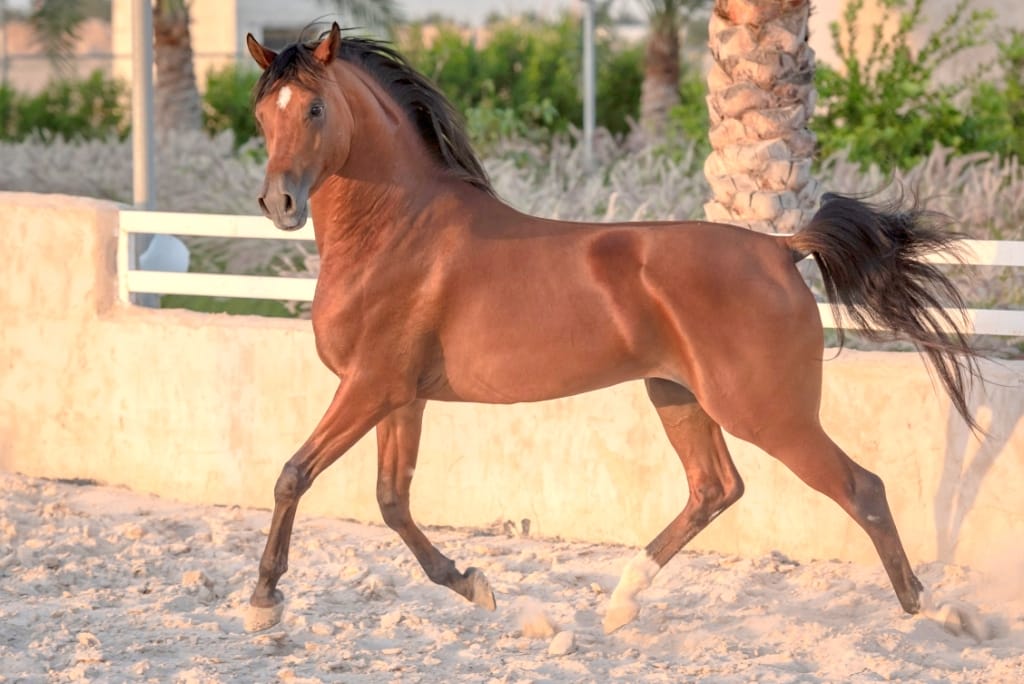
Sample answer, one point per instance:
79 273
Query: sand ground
101 584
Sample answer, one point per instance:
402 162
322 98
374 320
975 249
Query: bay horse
431 288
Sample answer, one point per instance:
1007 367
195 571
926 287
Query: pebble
389 620
377 587
133 531
196 578
322 628
564 643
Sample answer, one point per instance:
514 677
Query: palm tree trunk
176 97
760 97
660 89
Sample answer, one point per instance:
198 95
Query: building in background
25 68
219 28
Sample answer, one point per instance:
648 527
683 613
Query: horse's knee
395 515
867 497
290 484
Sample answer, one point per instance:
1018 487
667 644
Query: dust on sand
101 584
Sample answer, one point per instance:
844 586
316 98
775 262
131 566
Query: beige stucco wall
206 408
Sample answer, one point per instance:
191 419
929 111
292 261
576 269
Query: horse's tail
871 261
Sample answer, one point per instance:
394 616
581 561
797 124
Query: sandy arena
101 584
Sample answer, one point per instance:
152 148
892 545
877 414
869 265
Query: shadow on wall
968 461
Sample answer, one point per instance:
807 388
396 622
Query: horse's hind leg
398 438
816 459
714 485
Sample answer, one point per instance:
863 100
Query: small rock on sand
389 620
564 643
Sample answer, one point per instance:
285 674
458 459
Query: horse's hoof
620 612
480 591
259 618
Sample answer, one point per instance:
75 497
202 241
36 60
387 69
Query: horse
433 289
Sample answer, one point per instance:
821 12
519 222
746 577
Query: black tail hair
870 258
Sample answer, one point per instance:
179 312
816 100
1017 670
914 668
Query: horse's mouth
293 221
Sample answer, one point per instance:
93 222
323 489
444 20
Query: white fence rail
980 253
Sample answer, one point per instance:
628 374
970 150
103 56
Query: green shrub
688 122
87 109
8 112
886 109
997 108
526 78
226 103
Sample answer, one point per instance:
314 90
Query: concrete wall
206 408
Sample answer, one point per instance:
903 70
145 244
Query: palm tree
381 14
659 92
55 26
660 89
177 101
176 97
760 97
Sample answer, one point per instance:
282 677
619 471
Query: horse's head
306 122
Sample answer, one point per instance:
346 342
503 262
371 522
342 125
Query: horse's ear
263 56
328 47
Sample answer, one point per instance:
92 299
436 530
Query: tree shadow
969 458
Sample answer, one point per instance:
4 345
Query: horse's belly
505 374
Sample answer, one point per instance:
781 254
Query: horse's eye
316 111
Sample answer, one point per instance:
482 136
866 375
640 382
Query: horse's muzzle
285 201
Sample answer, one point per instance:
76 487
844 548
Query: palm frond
55 27
371 13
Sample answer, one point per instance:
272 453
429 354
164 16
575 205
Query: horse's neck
386 179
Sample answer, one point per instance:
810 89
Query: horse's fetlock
441 573
273 568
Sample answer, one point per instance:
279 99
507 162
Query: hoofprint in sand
101 584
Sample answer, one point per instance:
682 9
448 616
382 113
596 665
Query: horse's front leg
398 440
356 407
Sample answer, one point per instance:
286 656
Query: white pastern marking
622 606
410 472
637 576
284 96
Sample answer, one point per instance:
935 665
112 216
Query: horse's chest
358 328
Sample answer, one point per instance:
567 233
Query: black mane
439 124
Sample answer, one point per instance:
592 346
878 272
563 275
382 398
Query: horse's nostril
289 203
263 206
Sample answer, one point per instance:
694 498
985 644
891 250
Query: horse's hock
206 408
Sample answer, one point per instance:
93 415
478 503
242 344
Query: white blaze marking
284 96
